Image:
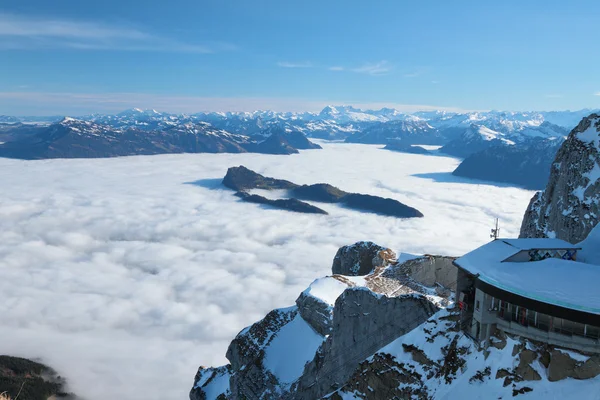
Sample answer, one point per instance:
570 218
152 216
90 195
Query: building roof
540 243
563 283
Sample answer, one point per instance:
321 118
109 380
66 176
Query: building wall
486 316
572 342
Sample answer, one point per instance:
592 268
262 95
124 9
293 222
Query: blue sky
74 56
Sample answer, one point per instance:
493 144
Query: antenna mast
495 232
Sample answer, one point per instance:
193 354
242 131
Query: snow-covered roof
540 243
564 283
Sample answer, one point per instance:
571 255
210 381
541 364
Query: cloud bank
57 103
125 276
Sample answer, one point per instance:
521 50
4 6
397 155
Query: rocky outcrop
361 258
562 366
316 312
363 322
569 207
242 179
402 147
337 323
282 204
30 380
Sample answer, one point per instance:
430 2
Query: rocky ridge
336 331
243 179
569 207
392 333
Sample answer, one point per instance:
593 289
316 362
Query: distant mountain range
76 138
486 140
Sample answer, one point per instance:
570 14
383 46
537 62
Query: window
543 322
477 305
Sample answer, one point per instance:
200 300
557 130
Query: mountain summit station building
533 288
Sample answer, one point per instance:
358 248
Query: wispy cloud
435 82
302 64
379 68
336 68
553 96
24 32
416 72
597 94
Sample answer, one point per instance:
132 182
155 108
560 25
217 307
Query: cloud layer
126 276
57 103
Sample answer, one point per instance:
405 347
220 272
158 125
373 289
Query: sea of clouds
126 274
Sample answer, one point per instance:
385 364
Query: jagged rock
498 339
316 312
361 258
208 376
385 378
522 390
561 366
363 322
242 179
524 369
418 355
247 346
283 204
569 207
480 376
589 369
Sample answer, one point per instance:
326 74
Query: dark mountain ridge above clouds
75 138
243 179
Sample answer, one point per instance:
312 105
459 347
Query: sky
76 57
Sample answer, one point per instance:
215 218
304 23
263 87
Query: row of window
548 323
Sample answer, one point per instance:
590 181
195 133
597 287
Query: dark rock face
30 380
330 194
284 204
246 355
526 166
403 147
275 144
361 258
569 207
207 376
322 192
358 334
316 312
241 178
384 377
562 366
292 137
379 205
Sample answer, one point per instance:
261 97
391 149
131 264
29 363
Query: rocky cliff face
392 333
336 323
569 206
